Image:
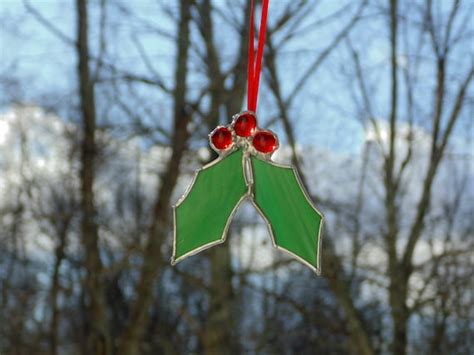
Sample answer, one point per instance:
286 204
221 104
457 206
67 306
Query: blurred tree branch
48 24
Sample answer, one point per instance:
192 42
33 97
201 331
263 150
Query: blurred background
105 107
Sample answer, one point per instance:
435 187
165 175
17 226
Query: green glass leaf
294 223
203 214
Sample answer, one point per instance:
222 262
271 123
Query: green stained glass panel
202 215
295 223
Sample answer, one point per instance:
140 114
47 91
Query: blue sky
323 113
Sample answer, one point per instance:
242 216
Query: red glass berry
221 138
245 125
265 142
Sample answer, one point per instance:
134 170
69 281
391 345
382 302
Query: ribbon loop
254 65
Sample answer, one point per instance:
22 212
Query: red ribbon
254 66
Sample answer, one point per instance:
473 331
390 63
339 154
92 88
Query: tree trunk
335 274
399 310
398 277
130 340
217 336
98 337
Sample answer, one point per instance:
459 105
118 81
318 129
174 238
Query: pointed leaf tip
294 222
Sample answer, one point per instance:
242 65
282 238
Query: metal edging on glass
248 150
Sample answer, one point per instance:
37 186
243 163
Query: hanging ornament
244 171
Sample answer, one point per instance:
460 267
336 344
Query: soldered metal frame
245 143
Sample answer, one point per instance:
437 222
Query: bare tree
396 245
152 259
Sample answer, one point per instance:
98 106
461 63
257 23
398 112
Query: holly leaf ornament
293 221
202 216
245 171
